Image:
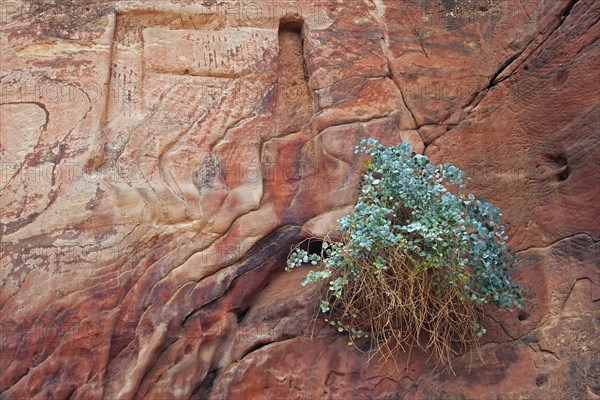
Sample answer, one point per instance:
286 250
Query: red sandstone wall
160 158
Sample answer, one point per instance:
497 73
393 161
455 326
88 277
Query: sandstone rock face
160 158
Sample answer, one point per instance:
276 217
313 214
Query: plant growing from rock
415 261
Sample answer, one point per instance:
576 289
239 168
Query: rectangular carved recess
134 76
294 100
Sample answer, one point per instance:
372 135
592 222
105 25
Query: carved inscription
228 52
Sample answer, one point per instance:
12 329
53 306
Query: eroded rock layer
159 159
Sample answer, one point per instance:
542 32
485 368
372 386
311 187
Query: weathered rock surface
160 158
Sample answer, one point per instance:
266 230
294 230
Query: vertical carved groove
294 100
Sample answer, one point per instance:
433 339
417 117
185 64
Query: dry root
405 306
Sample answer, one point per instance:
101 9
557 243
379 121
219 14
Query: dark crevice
417 126
188 316
541 380
242 313
385 45
264 254
204 390
497 77
569 8
254 348
560 161
563 174
420 40
315 246
494 80
523 316
311 245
